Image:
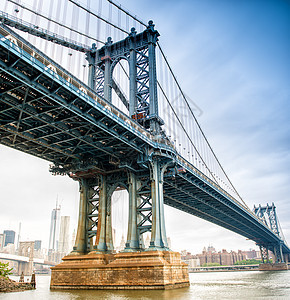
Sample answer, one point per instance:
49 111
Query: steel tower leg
80 246
158 234
109 236
281 253
132 74
154 117
108 74
132 243
101 230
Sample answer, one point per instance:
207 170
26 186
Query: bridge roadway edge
124 270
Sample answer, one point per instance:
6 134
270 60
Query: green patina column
100 244
132 243
158 234
80 246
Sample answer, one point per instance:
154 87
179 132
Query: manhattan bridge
87 87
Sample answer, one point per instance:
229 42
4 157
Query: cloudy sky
232 60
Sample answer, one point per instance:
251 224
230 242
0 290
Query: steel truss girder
64 131
208 190
221 219
114 132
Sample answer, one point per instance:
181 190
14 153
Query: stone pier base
128 270
273 267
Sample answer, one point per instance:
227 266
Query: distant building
211 249
37 245
64 237
2 240
9 237
169 242
192 260
122 244
222 257
147 241
73 239
9 249
252 254
114 237
54 229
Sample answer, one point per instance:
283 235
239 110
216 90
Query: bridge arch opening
119 215
120 85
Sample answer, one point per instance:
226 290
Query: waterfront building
210 256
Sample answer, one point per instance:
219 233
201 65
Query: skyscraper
54 228
63 245
2 240
37 245
9 237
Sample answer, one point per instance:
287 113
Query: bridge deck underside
190 194
40 116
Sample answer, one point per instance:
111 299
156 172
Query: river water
216 285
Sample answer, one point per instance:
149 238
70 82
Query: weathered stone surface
273 267
8 285
128 270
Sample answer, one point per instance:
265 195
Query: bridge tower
26 249
269 216
142 176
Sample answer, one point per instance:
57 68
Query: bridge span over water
47 112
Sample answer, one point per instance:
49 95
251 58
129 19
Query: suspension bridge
89 88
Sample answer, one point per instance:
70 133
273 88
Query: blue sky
232 59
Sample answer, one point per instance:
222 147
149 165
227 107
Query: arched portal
119 208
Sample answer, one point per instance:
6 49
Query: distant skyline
232 60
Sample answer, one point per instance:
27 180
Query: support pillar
152 40
80 246
158 234
91 58
101 230
109 235
264 254
132 74
279 257
108 73
132 243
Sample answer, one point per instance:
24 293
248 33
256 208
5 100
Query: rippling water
218 285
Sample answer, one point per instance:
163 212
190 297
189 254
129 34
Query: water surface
216 285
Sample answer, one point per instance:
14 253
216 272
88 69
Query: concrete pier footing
273 267
127 270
